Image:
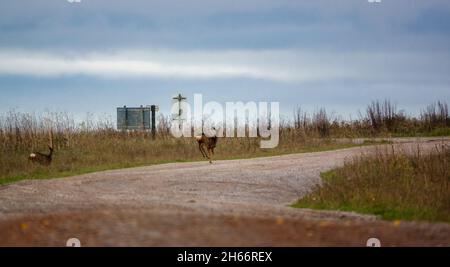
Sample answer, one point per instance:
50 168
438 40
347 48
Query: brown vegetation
96 144
389 183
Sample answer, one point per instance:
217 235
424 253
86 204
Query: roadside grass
102 155
438 132
95 144
393 185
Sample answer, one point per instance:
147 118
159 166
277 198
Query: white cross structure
179 99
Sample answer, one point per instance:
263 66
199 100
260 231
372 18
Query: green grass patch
436 132
392 186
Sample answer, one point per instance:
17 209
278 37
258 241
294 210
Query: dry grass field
95 145
389 183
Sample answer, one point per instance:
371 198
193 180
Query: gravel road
228 203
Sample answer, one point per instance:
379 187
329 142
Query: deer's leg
211 153
206 152
202 150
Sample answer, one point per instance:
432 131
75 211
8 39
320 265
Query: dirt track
228 203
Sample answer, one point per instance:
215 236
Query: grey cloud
96 24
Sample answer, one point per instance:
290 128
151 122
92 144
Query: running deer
43 159
209 143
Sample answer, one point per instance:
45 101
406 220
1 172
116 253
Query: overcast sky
96 55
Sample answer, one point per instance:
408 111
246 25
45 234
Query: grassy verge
437 132
136 153
392 185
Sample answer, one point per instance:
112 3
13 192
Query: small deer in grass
209 143
43 159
